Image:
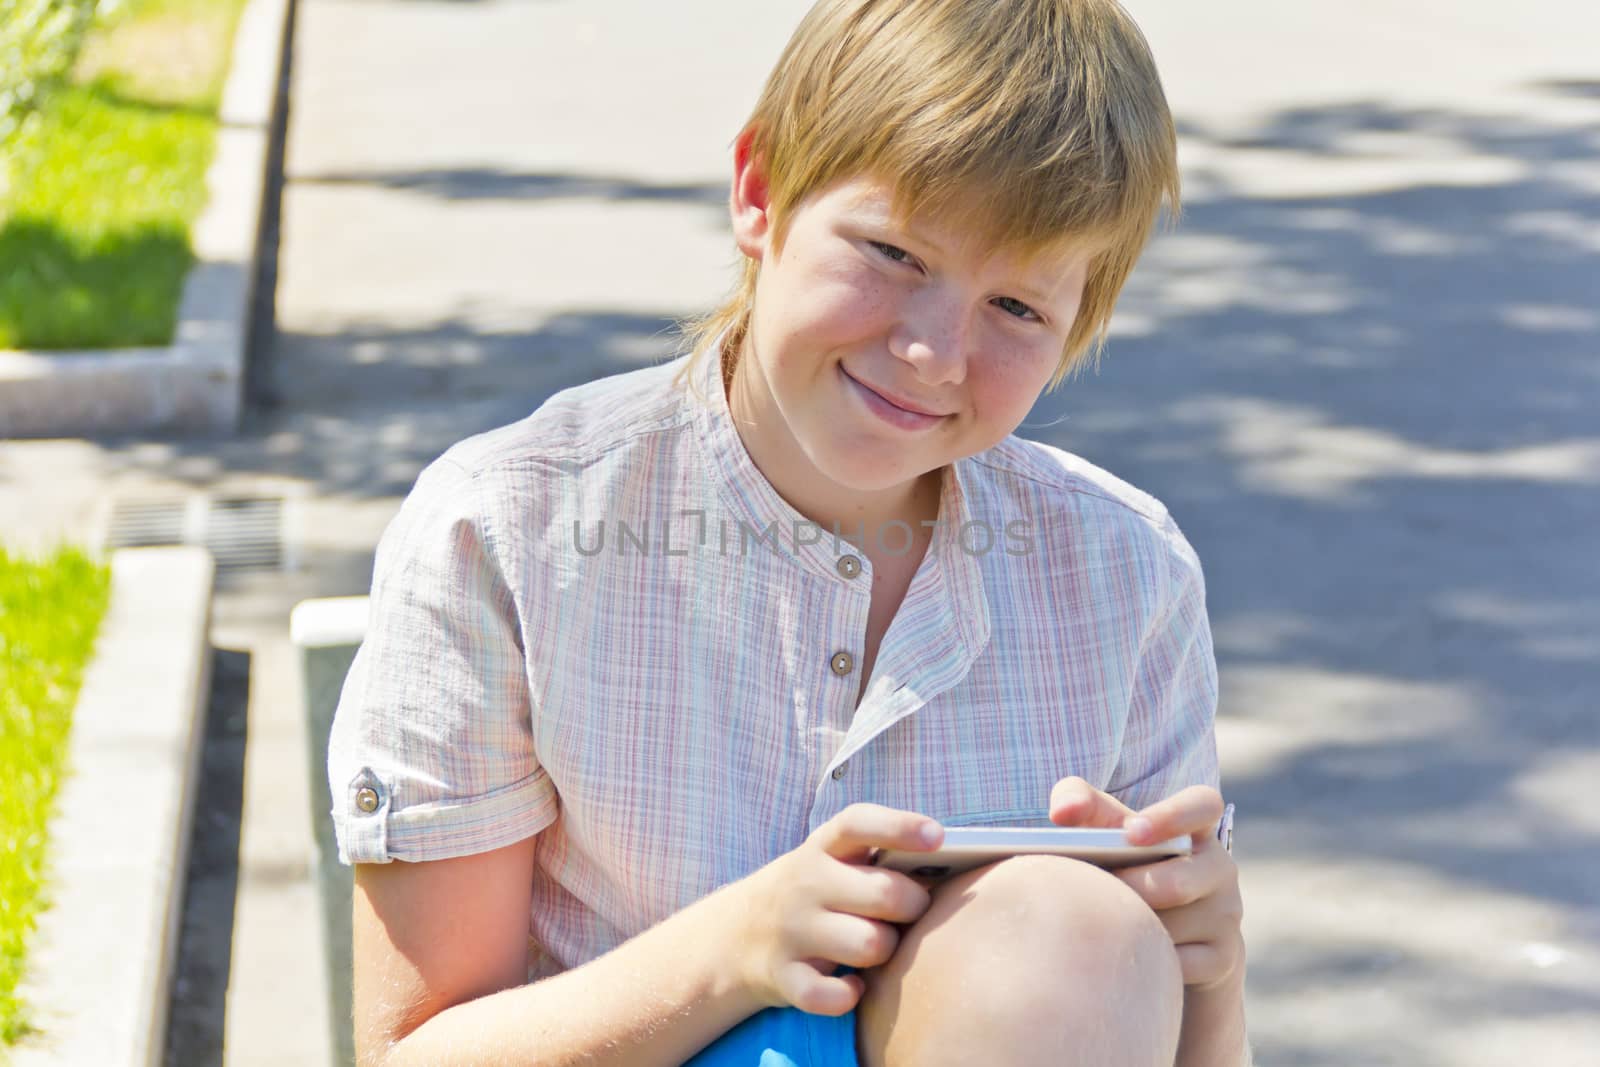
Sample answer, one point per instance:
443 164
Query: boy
633 786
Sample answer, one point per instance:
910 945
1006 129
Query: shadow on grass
111 90
119 290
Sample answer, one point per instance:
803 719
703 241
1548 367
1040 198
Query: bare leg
1033 960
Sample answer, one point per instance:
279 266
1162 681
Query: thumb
1074 802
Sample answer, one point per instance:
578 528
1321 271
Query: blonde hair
1030 121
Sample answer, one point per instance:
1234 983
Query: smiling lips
903 415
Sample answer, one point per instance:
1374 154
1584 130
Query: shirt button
367 800
841 663
849 566
838 772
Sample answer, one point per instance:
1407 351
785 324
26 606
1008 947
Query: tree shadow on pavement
1371 410
1373 415
362 411
488 183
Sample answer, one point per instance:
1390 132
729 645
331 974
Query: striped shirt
602 625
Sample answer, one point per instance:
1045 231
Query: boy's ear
747 201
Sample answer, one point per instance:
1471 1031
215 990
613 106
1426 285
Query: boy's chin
850 473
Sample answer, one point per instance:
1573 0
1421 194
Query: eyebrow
1033 294
923 238
882 216
1040 295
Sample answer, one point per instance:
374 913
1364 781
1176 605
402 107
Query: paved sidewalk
1361 374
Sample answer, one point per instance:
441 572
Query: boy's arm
1214 1032
1174 744
440 962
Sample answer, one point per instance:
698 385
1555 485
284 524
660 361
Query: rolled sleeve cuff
369 829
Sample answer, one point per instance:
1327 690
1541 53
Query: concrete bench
326 633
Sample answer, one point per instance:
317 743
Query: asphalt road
1363 372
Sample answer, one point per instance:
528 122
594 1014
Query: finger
850 939
852 834
1074 802
805 987
1181 880
878 893
1207 842
1194 811
1212 919
1205 963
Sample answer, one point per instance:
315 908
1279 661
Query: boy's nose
933 339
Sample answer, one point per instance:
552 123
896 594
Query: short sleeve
1170 743
431 754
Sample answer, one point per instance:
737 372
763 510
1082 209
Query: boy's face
857 313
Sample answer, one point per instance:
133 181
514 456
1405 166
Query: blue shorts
785 1037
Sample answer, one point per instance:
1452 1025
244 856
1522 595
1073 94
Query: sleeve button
367 800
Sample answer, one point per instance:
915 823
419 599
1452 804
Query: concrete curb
194 385
101 961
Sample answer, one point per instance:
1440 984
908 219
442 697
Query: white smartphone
967 847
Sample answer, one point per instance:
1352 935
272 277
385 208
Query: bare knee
1036 959
1095 978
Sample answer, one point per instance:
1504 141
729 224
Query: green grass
50 611
97 198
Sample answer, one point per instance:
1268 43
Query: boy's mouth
892 411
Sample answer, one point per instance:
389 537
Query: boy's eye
1015 307
1011 305
899 255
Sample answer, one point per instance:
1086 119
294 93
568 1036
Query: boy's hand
822 904
1195 896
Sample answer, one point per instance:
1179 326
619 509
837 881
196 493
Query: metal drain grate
242 533
138 523
245 533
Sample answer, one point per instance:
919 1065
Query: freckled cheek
1005 381
847 308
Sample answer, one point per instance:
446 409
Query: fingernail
1137 828
931 833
